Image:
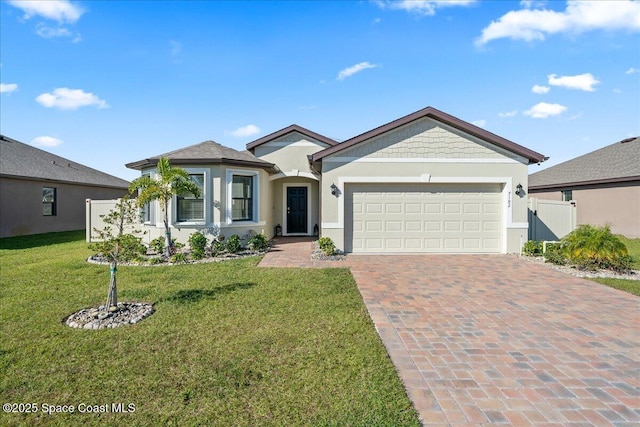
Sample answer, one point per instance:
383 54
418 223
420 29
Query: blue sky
105 83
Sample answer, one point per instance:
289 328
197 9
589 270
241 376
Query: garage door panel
423 217
393 226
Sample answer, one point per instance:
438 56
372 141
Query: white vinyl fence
551 219
95 210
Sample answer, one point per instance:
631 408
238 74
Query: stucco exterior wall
290 152
216 199
617 205
21 207
418 159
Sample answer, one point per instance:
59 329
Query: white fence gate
551 219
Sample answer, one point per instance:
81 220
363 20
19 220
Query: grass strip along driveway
229 344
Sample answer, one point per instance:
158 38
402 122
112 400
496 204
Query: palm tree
171 181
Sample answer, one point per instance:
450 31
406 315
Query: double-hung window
242 198
190 208
49 201
567 195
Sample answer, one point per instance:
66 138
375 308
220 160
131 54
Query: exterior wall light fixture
519 191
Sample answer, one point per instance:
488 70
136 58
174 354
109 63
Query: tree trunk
112 296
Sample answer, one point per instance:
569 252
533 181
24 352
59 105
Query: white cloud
540 89
70 99
421 7
8 87
481 123
508 114
47 32
632 70
579 16
46 141
579 82
244 131
543 110
57 10
530 4
350 71
617 90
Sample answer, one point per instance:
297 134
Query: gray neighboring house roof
206 152
19 160
619 162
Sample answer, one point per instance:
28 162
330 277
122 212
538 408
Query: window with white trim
567 195
49 201
242 198
188 207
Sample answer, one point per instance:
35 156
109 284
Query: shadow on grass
188 296
39 240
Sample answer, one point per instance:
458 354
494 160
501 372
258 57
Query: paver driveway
480 339
494 339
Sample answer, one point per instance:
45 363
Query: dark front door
297 210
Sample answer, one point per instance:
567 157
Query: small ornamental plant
198 245
234 244
327 246
258 243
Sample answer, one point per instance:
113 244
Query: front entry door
297 210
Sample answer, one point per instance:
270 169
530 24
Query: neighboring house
41 192
427 182
605 185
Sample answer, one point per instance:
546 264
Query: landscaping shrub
157 244
257 243
178 258
198 245
234 244
593 247
532 248
217 247
327 245
555 254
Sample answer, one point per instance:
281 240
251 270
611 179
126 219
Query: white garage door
439 218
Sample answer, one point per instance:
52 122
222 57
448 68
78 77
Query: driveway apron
494 339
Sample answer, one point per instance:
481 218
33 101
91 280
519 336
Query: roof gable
206 152
618 162
290 129
437 115
21 160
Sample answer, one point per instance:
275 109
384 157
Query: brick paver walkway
483 340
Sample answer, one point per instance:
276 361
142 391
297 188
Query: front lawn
229 344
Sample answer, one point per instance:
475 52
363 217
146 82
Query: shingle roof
24 161
205 153
617 162
292 128
530 155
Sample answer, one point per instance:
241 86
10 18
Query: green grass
633 246
631 286
229 344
